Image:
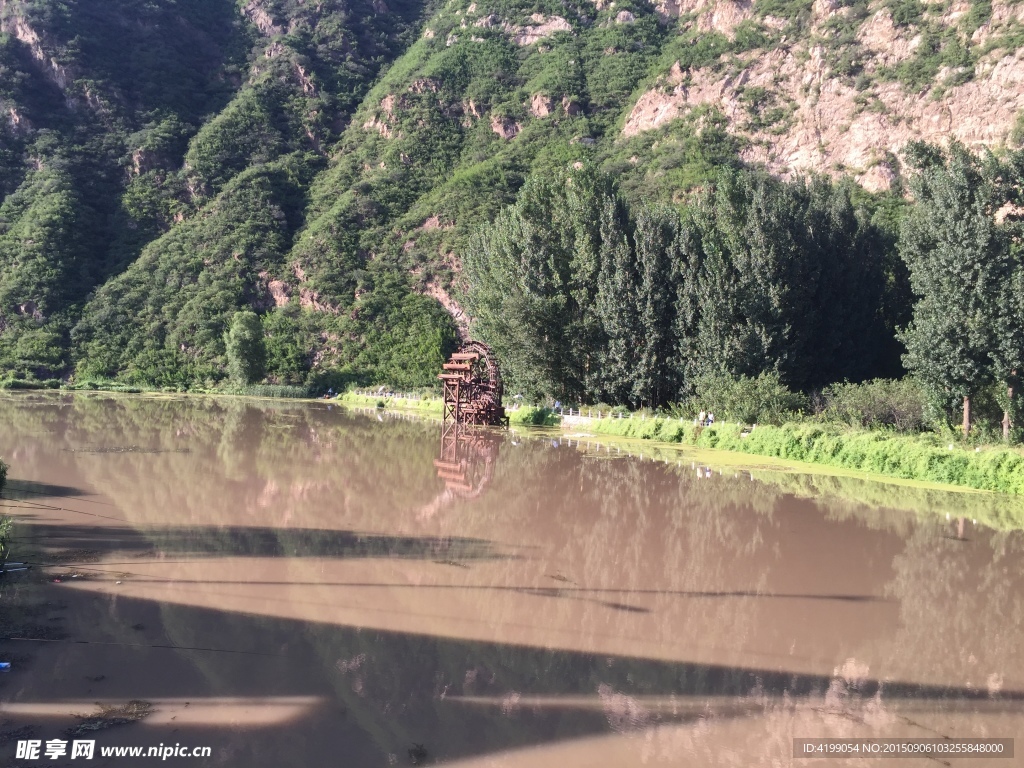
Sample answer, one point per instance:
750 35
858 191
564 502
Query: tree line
587 298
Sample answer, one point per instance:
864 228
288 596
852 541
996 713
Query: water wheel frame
473 389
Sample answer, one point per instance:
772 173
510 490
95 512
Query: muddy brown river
296 584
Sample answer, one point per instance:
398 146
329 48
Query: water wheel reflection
467 459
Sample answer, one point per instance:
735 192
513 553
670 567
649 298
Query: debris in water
109 716
417 754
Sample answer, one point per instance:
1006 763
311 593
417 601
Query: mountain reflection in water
493 599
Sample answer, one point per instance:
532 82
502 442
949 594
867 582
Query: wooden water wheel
472 387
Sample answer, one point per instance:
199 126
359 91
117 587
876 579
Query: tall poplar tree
1007 353
956 257
617 296
658 260
532 278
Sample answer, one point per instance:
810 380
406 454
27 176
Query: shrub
5 535
246 349
761 400
900 404
529 416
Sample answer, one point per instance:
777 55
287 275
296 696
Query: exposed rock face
30 309
624 17
724 16
542 27
19 28
264 22
827 124
424 85
17 122
541 105
379 122
280 292
667 9
432 223
310 299
436 291
505 127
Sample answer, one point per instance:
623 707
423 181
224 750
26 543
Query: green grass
424 404
910 458
530 416
270 390
29 384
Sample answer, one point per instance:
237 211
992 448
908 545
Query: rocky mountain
842 87
164 163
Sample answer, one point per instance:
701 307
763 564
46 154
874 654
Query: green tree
957 257
531 283
655 379
1007 352
618 290
245 348
777 276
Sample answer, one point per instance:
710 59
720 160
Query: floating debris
110 716
417 754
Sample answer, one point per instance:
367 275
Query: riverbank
921 457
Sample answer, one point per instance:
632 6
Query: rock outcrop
824 122
505 127
542 27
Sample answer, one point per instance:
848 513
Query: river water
294 584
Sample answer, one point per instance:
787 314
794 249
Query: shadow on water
241 541
385 691
18 490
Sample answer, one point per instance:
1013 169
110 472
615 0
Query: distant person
701 417
711 419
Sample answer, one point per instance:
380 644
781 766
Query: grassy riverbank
919 457
432 406
923 457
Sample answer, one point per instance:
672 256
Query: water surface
296 584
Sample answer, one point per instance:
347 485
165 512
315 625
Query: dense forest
588 298
197 193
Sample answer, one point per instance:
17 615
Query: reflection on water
489 599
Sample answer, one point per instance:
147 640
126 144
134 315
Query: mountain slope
163 164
